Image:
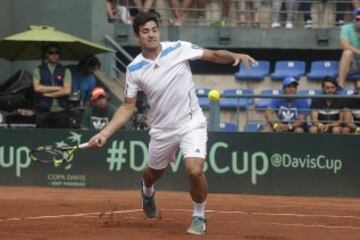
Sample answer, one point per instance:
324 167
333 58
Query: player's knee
195 172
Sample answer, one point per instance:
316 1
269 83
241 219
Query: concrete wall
5 29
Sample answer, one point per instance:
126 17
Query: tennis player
162 72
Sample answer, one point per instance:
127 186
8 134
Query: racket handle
83 145
86 145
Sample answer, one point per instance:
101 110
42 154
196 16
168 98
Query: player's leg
147 190
193 146
198 192
162 148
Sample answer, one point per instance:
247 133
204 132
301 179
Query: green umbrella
29 45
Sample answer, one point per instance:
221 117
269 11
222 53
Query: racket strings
51 155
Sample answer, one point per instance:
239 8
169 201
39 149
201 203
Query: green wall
254 163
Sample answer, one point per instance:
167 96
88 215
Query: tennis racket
55 155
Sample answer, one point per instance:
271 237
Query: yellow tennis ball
214 95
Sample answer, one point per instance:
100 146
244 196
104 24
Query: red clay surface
50 213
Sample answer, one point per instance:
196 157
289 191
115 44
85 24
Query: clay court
51 213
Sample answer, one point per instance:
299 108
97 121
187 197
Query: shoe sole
189 231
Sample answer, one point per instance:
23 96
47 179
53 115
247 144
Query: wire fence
247 13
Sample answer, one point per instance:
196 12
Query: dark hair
329 79
89 62
142 18
51 45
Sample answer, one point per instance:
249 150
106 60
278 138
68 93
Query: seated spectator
144 5
52 85
341 7
287 114
305 6
125 10
83 78
290 12
352 112
225 13
118 10
179 11
250 15
327 114
349 40
99 113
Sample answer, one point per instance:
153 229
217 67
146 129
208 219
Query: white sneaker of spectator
289 25
275 25
308 24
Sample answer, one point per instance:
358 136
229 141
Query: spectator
352 112
179 11
305 6
350 58
143 5
341 6
52 85
225 13
83 79
99 113
117 10
327 114
290 10
287 114
250 13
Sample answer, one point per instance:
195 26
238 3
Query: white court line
269 214
94 214
311 225
71 215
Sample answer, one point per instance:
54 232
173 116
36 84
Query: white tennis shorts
191 138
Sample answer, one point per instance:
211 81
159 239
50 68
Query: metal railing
248 13
218 110
116 63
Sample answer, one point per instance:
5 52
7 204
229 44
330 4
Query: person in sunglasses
52 86
350 42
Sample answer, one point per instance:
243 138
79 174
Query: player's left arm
227 57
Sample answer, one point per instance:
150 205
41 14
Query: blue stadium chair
230 100
346 92
321 69
284 69
309 92
252 127
202 97
227 127
263 103
254 73
353 77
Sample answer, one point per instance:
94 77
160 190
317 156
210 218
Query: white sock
148 192
199 209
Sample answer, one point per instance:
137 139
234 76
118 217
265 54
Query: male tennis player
163 72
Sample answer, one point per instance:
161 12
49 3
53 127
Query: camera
139 119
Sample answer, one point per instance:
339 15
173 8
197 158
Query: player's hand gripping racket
54 155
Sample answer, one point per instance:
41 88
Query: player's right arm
121 116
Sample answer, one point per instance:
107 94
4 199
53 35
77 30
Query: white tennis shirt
167 82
